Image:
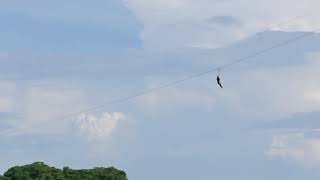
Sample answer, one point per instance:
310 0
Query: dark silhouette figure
218 81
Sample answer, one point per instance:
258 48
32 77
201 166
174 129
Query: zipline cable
194 76
187 78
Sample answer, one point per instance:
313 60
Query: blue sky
59 57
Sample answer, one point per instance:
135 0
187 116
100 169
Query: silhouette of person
218 81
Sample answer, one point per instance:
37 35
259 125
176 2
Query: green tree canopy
41 171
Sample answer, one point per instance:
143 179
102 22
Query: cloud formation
42 109
8 92
96 128
298 146
277 92
175 24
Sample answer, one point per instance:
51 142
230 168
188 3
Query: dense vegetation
41 171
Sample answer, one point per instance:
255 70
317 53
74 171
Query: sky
60 59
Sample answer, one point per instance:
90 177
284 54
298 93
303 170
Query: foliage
41 171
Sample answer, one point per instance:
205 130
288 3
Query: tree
41 171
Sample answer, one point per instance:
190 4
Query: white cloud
6 104
261 93
7 96
98 128
296 146
288 146
171 24
277 92
43 110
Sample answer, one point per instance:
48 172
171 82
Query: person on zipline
218 81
